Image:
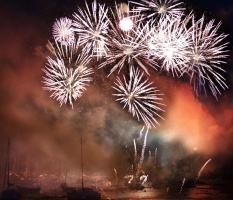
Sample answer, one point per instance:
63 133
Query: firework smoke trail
208 52
199 173
156 151
67 74
165 9
170 43
128 48
91 27
63 31
140 98
143 148
149 157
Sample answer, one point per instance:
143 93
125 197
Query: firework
164 9
140 134
202 168
207 54
170 44
128 48
67 74
140 97
143 178
143 148
63 31
91 27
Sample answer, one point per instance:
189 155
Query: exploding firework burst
128 48
208 52
67 74
165 9
140 97
63 31
170 44
91 27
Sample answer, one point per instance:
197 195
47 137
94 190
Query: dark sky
37 124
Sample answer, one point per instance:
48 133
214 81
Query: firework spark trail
208 52
164 9
182 185
143 148
63 31
199 173
128 48
140 134
91 27
67 74
135 152
115 171
140 98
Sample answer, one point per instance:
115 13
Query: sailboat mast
6 167
8 164
82 158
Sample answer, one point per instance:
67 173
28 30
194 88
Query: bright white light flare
126 24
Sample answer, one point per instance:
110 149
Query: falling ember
199 174
126 24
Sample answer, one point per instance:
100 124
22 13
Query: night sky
39 127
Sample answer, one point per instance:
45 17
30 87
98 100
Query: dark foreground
201 191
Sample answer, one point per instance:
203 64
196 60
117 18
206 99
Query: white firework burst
142 100
165 9
208 52
91 27
63 31
67 73
128 48
170 43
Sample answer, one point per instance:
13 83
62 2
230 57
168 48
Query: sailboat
83 193
9 193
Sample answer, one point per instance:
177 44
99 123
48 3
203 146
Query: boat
28 190
83 193
10 192
67 188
